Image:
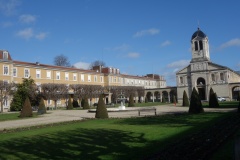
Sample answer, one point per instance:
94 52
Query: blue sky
136 36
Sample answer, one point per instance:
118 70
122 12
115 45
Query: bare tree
6 89
61 60
55 92
97 63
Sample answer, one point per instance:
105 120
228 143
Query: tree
54 91
213 101
131 101
41 107
26 109
61 60
85 103
101 111
185 99
75 103
97 63
25 89
70 105
195 103
6 89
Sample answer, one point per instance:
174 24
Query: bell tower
200 47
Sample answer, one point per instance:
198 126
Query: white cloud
41 36
166 43
6 24
8 7
152 31
133 55
82 65
233 42
26 33
27 18
178 64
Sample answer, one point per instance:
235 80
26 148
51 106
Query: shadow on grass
76 144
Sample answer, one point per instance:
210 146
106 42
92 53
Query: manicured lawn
12 116
132 138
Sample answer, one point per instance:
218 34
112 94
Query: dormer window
5 55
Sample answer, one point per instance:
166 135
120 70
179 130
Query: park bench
152 109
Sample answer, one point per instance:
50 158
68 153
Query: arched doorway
149 96
157 96
236 93
201 85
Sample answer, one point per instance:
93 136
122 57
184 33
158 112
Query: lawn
13 116
132 138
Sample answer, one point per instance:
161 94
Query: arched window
201 45
196 45
201 81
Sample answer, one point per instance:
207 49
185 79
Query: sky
138 37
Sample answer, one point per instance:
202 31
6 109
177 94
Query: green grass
226 104
132 138
13 116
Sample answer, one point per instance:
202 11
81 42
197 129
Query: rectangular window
101 79
89 78
222 76
66 76
58 102
110 79
5 55
74 76
58 75
95 78
181 80
26 73
14 72
38 73
5 70
114 80
48 74
49 102
82 77
213 77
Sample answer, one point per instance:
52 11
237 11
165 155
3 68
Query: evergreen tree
41 107
101 111
27 109
174 100
16 103
163 99
146 99
75 103
131 101
195 103
85 103
70 105
185 99
213 102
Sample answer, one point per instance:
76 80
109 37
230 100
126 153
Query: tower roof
198 33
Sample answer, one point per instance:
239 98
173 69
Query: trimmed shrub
146 100
70 105
163 99
101 111
185 99
131 101
41 107
85 103
16 103
195 103
174 100
213 102
27 109
75 103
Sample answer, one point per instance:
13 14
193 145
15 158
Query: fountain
122 107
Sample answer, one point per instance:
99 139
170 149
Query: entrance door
201 92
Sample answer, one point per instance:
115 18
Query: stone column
153 96
169 97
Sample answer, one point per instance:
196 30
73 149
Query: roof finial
198 25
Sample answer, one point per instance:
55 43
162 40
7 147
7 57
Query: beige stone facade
202 74
14 71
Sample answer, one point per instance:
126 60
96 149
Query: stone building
203 74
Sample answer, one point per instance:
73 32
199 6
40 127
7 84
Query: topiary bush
146 100
213 101
41 107
185 99
85 103
195 103
101 111
163 99
70 105
27 109
75 103
131 101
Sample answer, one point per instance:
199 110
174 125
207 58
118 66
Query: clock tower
200 47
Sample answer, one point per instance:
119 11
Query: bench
147 110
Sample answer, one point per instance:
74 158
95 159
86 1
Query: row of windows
49 74
214 77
